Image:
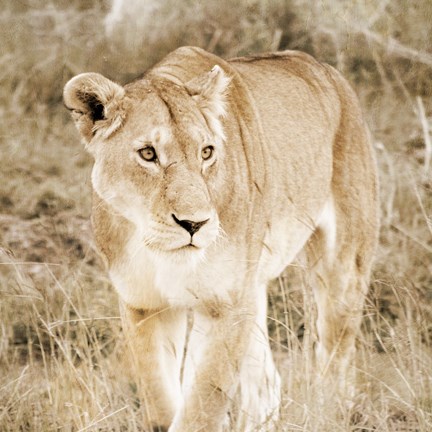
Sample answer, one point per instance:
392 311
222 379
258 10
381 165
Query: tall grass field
63 362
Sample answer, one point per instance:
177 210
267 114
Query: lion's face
160 170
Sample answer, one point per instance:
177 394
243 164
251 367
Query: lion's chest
141 283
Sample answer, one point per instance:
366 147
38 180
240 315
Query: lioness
210 177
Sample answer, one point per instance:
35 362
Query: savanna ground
62 362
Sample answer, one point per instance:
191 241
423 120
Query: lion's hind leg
340 259
341 251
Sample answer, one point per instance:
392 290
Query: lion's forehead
150 124
157 135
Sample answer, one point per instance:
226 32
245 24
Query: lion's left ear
95 103
210 92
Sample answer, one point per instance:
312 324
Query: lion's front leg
156 339
260 384
217 345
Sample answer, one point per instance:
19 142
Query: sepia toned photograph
216 216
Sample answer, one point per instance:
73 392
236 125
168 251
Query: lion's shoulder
286 64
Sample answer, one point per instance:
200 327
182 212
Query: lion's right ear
96 104
210 93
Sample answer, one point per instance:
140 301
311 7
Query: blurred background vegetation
60 349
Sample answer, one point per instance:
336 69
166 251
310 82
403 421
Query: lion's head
159 149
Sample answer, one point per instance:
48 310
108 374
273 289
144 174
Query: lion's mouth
187 254
188 247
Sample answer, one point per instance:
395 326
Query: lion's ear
95 103
210 92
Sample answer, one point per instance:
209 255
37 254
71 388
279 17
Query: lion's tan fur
293 170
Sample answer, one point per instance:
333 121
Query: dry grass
61 352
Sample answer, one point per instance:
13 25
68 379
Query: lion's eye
148 154
207 152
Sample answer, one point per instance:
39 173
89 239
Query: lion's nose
190 226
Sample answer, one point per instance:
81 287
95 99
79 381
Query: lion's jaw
160 257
